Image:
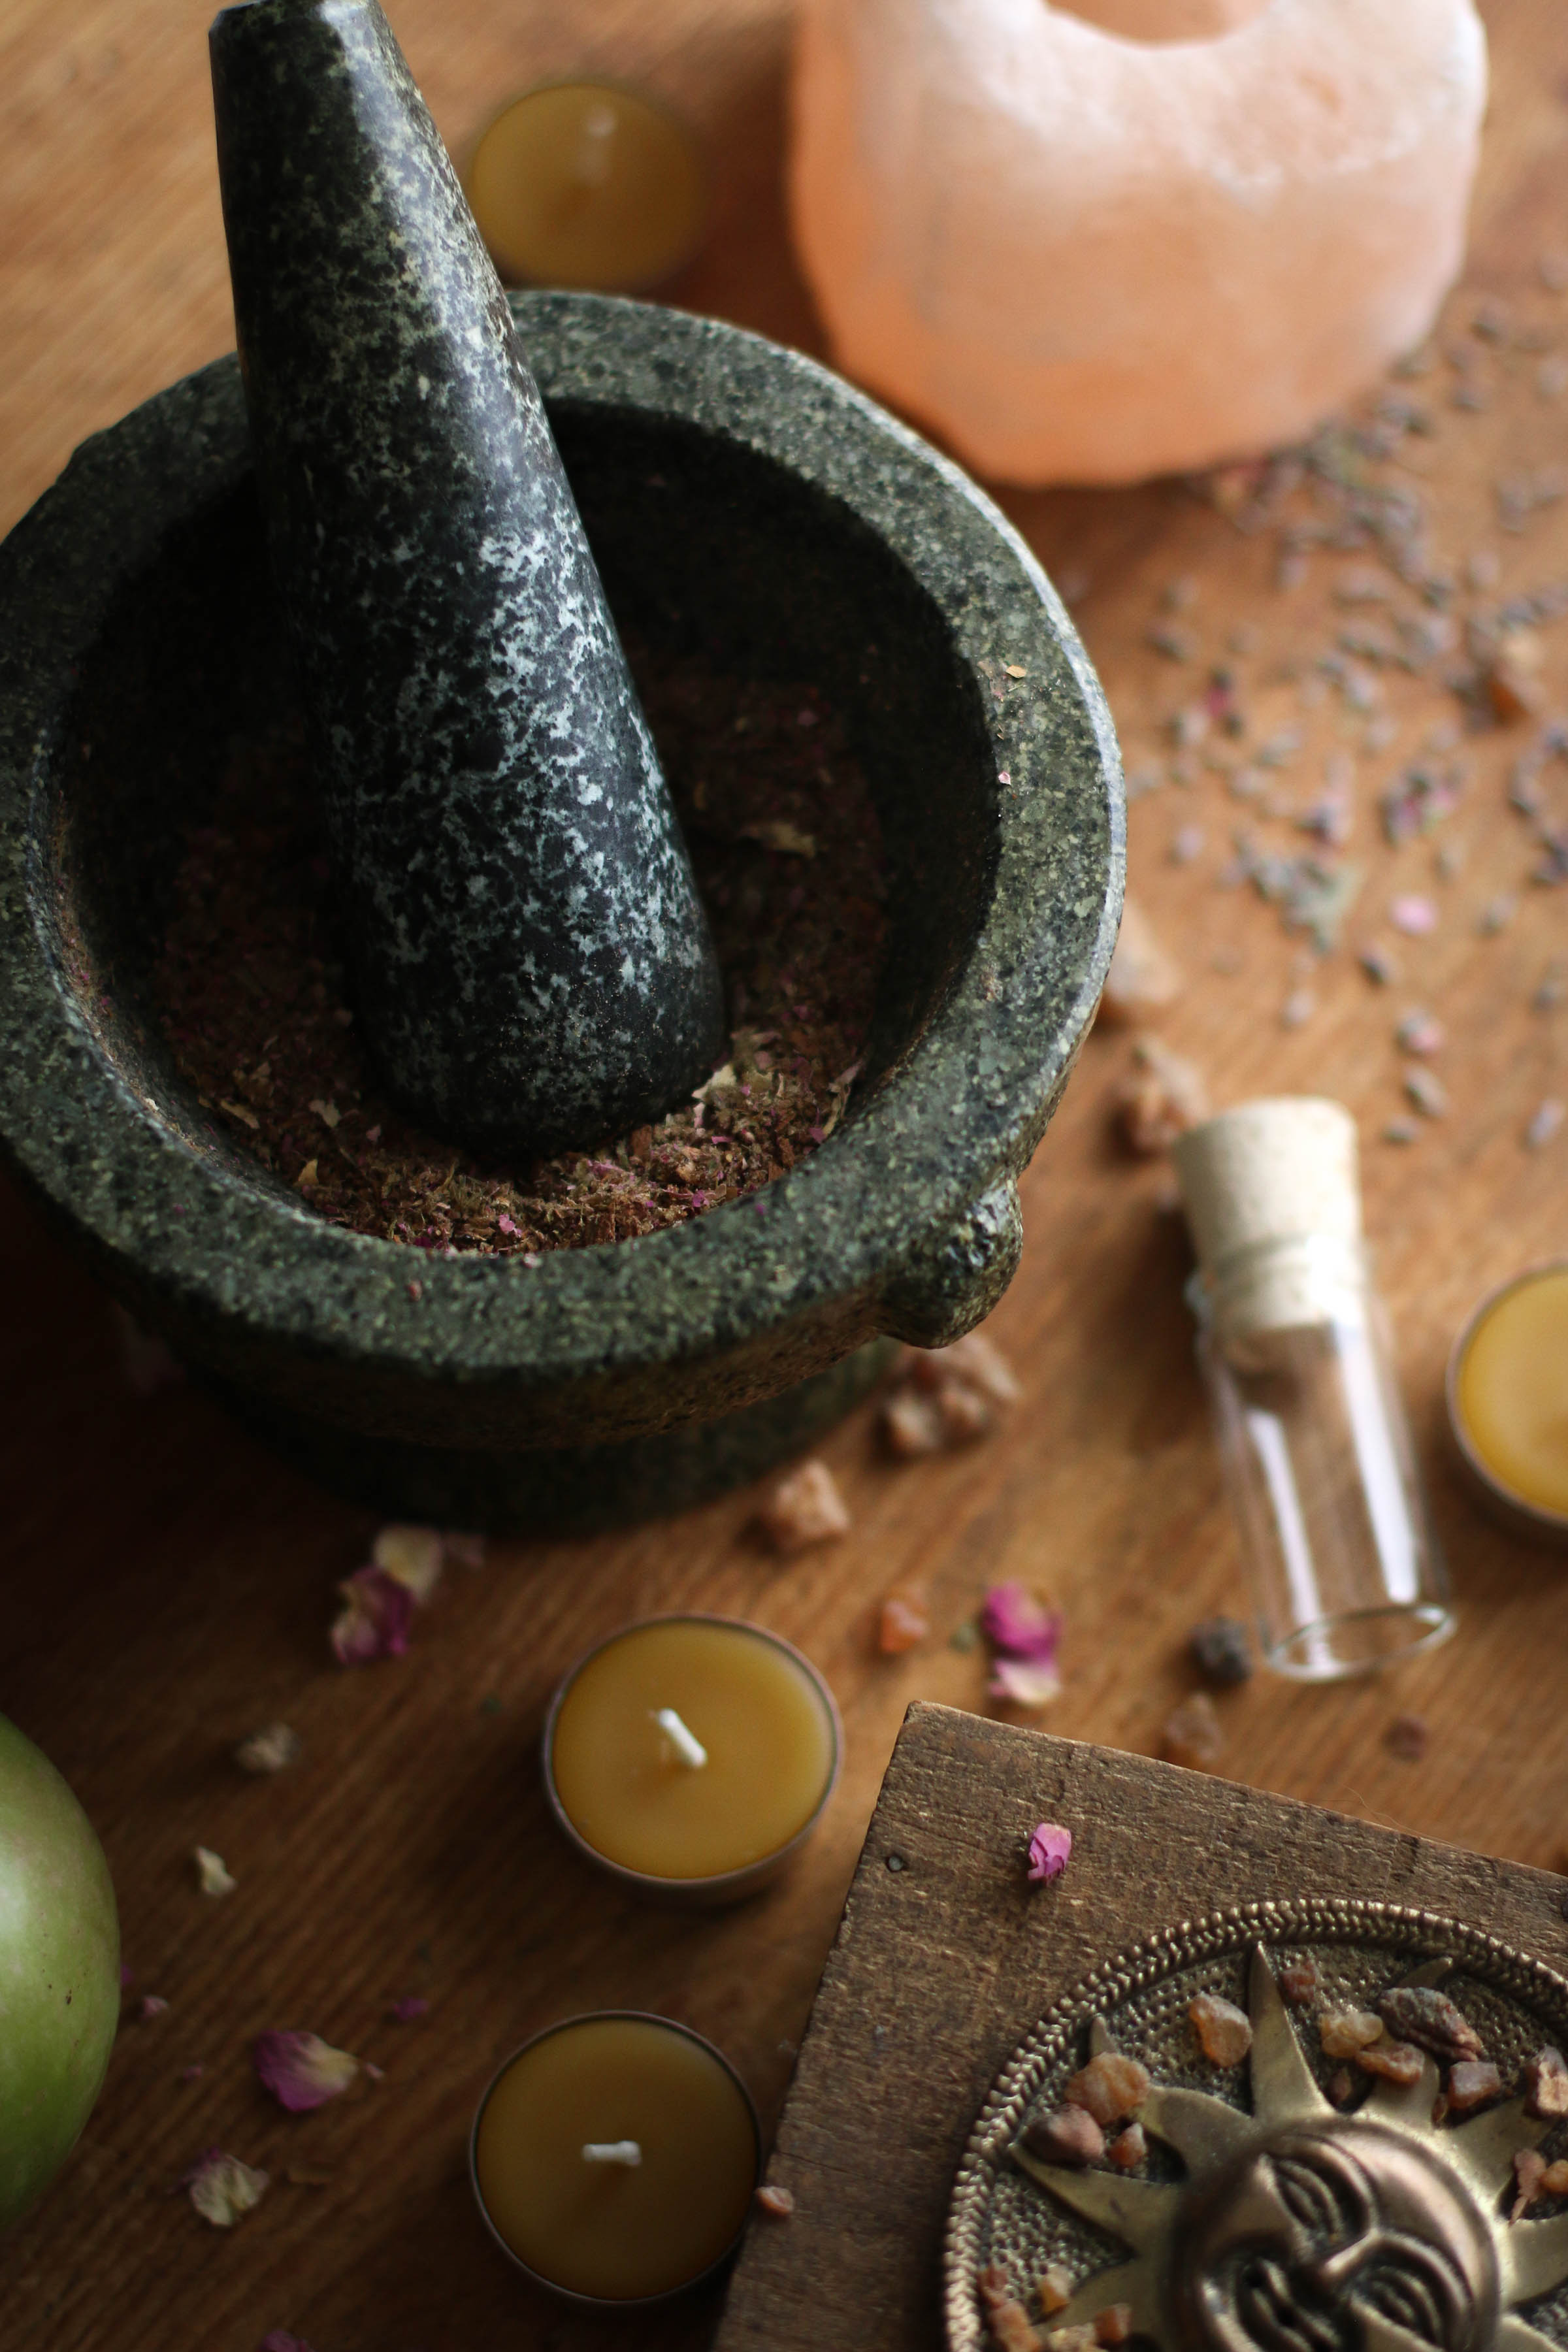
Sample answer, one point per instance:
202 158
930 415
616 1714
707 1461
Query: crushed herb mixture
788 851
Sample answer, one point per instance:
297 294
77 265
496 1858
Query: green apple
59 1972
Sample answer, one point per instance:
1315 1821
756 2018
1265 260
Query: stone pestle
530 962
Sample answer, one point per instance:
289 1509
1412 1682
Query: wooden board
168 1586
946 1958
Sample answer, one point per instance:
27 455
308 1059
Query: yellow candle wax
636 1716
1511 1391
661 2193
580 183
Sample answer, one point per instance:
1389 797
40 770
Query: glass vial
1294 1348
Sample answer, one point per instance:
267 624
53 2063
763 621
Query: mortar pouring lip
961 1108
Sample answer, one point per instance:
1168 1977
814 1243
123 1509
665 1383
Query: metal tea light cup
721 1887
1535 1522
573 2295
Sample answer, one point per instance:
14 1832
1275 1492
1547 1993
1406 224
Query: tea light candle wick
612 2152
687 1745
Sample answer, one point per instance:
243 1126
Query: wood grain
947 1959
168 1586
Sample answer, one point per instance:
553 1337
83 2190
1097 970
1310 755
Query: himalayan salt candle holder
692 1756
1508 1403
1097 241
614 2158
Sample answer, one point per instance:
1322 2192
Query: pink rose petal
1414 917
374 1619
300 2070
1050 1848
1017 1622
222 2188
1022 1684
411 2006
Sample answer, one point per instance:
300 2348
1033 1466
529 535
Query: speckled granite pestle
531 961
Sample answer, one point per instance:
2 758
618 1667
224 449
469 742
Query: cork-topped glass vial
1294 1348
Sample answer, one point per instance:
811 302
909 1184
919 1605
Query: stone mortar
739 497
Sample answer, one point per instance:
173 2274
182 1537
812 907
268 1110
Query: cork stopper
1273 1198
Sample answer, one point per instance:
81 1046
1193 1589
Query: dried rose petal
412 2005
300 2070
1343 2032
413 1557
221 2188
805 1508
1070 2136
374 1619
1395 2062
153 2005
271 1749
1110 2086
778 2201
1050 1850
1224 2032
1021 1685
1017 1622
211 1875
900 1626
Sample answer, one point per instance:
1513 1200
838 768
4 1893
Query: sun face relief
1295 2227
1327 2231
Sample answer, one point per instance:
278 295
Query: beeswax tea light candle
1508 1400
581 184
691 1755
615 2157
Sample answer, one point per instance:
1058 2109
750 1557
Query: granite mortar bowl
741 500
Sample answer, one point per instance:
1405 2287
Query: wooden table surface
168 1586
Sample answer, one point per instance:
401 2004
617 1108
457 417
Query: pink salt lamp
1144 236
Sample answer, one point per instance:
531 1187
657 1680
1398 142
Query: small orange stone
1224 2032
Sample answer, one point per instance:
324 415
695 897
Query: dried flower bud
1397 2062
1224 2032
1472 2083
1191 1734
1421 2015
900 1626
1050 1850
1344 2031
1110 2087
1070 2136
1546 2084
1301 1983
805 1508
1222 1649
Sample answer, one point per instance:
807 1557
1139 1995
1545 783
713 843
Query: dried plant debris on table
787 850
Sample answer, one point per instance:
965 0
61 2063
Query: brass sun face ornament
1271 2196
